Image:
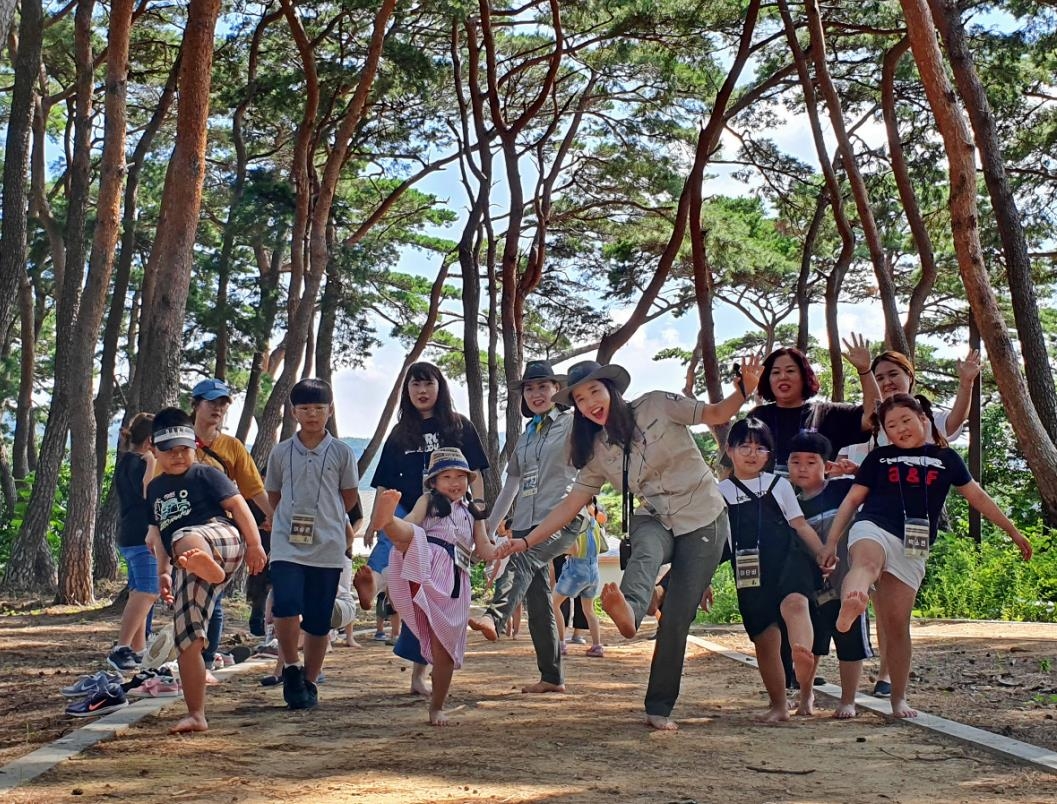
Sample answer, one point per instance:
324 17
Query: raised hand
857 352
969 369
751 371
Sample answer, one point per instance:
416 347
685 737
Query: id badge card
916 537
302 529
747 569
461 557
827 594
530 483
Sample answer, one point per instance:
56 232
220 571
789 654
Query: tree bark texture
167 276
1023 297
16 156
1032 437
894 335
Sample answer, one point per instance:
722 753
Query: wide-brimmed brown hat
588 370
536 370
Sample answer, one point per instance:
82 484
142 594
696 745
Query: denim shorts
142 569
298 589
579 578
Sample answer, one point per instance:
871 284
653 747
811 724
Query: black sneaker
311 694
107 699
294 691
122 658
882 689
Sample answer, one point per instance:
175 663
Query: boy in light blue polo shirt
311 483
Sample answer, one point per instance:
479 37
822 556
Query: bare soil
369 741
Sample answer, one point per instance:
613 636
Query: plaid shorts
193 598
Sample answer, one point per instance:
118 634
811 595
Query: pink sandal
596 651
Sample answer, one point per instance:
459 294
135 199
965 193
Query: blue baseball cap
211 389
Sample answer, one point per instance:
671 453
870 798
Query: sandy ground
370 741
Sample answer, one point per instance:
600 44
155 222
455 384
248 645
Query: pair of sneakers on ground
298 691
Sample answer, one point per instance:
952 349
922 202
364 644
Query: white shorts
910 571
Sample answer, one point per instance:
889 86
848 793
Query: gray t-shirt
310 482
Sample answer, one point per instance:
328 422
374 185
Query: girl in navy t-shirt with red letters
901 488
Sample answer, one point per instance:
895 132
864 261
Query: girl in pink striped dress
429 579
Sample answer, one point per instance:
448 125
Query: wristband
863 373
741 387
525 540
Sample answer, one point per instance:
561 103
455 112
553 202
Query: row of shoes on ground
152 683
102 701
88 685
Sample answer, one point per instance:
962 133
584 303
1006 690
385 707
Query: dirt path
369 741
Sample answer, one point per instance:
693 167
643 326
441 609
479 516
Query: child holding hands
429 578
773 577
901 488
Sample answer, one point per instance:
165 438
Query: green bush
725 599
12 523
991 582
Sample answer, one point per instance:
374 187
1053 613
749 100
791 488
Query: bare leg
801 637
895 602
882 669
315 651
619 610
588 604
384 518
515 621
134 619
193 681
867 562
443 667
559 617
769 660
350 637
419 685
288 631
849 684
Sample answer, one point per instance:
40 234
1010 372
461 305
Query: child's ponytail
926 407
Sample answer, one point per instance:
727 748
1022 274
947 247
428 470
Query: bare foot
661 723
486 625
845 711
420 687
437 717
806 707
200 563
189 724
384 508
776 714
616 606
803 666
363 580
543 686
851 607
211 679
902 709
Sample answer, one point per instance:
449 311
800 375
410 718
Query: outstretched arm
557 519
855 497
982 502
725 410
968 371
503 502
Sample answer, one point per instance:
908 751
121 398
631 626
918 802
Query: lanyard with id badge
916 530
303 524
747 573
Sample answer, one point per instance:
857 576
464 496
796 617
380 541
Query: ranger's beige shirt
666 469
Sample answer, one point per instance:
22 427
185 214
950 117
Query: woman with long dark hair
644 447
427 421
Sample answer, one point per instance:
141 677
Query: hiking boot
122 658
295 692
311 694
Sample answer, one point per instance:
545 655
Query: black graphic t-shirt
403 469
135 514
820 510
183 501
909 483
840 423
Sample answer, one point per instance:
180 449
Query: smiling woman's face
592 400
787 382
